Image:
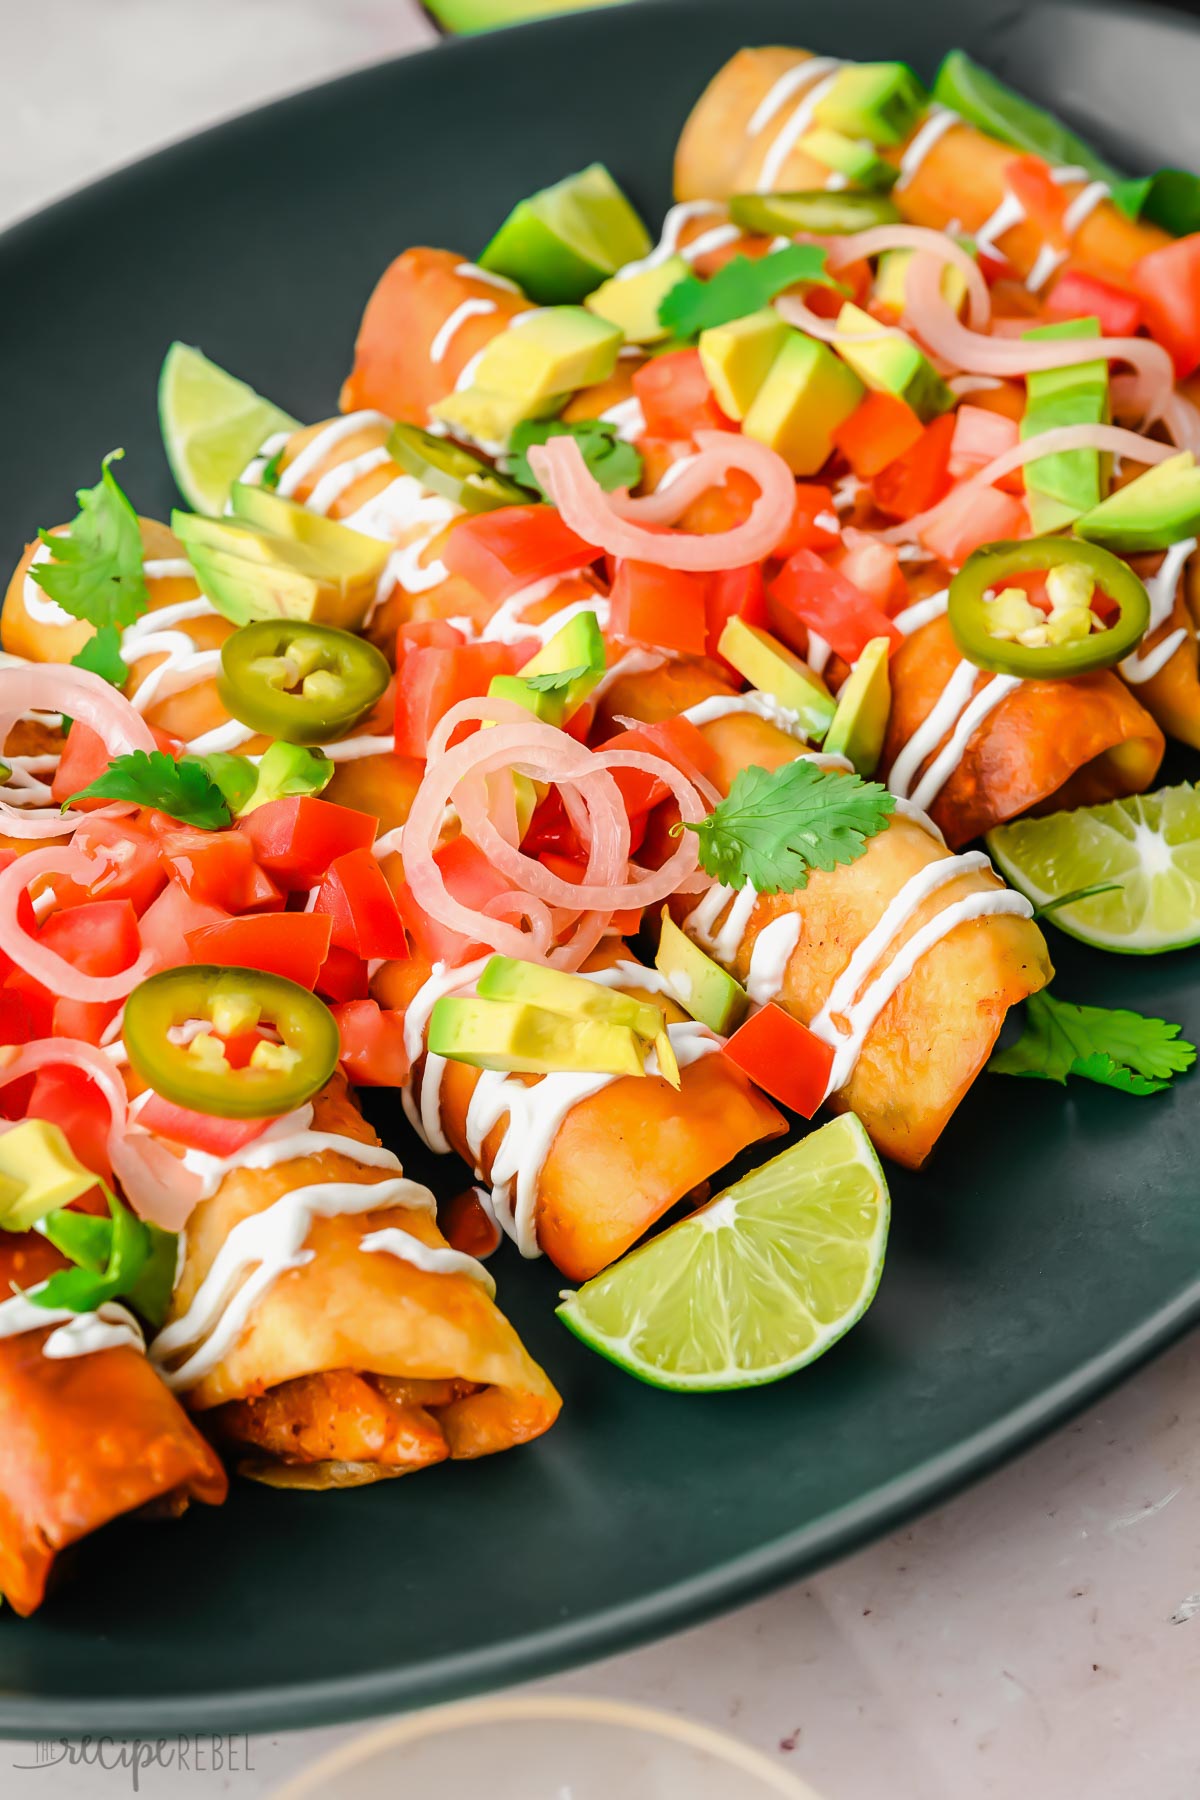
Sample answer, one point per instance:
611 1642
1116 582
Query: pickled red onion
46 966
625 527
51 687
878 238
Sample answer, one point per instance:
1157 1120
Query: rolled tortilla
357 1364
960 178
83 1440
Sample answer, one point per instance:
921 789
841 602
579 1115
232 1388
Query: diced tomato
503 551
290 944
99 939
874 568
979 437
373 1053
295 840
343 976
84 757
879 430
219 866
971 517
166 922
918 479
471 880
15 1023
785 1058
199 1131
676 741
826 602
419 634
663 607
127 856
432 678
730 594
467 1227
626 923
1076 295
354 895
1030 180
66 1097
1167 282
551 830
814 523
676 398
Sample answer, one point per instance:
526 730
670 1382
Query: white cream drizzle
1161 587
628 417
335 481
508 624
1085 202
318 448
937 123
433 1258
426 1117
475 307
474 273
922 612
76 1334
794 127
668 244
959 712
285 1140
1008 214
769 957
819 652
406 509
720 706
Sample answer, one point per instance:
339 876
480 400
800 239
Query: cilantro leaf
185 789
1048 907
102 655
744 285
553 681
95 570
777 825
271 470
613 462
121 1256
1118 1049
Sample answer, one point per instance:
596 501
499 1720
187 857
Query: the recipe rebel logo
221 1756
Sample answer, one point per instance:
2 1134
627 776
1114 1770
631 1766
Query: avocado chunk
283 770
702 987
860 722
632 301
854 158
517 1037
807 394
250 574
1158 509
1062 486
891 363
573 996
554 683
879 101
773 669
547 353
560 242
737 357
892 276
280 517
488 420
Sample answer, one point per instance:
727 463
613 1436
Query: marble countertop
1036 1636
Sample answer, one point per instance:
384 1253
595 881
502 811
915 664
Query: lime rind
1149 843
212 425
759 1283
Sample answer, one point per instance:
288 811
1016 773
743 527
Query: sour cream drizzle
1161 587
921 612
956 713
77 1334
794 127
720 706
770 955
937 123
508 625
476 307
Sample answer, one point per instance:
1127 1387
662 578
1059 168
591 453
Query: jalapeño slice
819 211
996 627
452 471
304 683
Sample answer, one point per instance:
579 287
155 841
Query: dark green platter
1054 1244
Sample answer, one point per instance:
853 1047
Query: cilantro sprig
613 462
102 655
95 571
121 1257
554 681
778 825
1116 1048
185 790
744 285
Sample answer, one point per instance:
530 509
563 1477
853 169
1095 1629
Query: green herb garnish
777 825
185 790
553 681
1118 1049
121 1257
96 568
744 285
613 462
102 655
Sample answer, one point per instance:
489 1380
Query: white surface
1040 1636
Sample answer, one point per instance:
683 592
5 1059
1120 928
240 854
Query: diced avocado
854 158
632 301
334 543
251 574
773 669
737 357
860 722
283 770
489 419
575 653
549 352
514 1036
892 276
880 101
39 1171
807 394
701 986
573 996
1156 510
1071 482
891 363
560 242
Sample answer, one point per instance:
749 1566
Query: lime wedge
1149 844
756 1284
212 424
562 242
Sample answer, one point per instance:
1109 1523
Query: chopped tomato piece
373 1053
293 945
343 976
472 881
1167 282
295 840
918 479
199 1131
814 525
84 757
16 1027
625 922
826 602
785 1058
503 551
218 866
663 607
676 398
676 741
166 922
971 517
980 436
99 939
432 678
1030 180
733 593
879 430
355 896
66 1097
874 568
1076 295
126 852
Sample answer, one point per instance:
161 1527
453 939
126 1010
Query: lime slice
1150 844
560 243
756 1284
212 424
